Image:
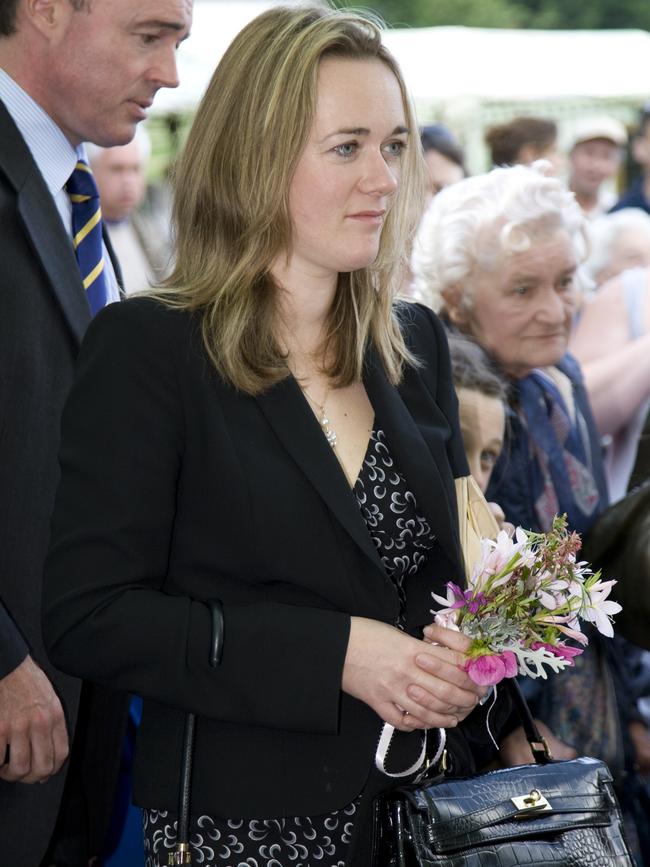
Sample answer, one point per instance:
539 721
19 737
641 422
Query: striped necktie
87 235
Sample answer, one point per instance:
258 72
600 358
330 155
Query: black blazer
176 489
43 315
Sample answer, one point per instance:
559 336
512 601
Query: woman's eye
567 283
488 459
149 38
395 148
346 150
521 290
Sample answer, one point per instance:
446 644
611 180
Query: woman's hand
409 683
641 742
500 518
515 749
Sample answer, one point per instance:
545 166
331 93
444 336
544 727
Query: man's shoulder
16 161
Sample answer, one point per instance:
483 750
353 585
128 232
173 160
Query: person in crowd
69 72
611 340
524 140
443 156
497 255
638 194
595 147
617 241
482 403
121 177
293 485
482 395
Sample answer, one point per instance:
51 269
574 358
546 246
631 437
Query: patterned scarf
561 474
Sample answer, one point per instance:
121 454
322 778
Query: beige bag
475 520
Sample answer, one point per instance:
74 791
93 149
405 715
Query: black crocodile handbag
552 813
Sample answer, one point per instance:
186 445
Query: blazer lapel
43 224
417 442
54 250
288 413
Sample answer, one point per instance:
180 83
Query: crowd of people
231 495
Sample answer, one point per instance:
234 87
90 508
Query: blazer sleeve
13 647
106 614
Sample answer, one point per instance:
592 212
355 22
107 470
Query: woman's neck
305 299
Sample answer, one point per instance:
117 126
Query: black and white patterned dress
403 538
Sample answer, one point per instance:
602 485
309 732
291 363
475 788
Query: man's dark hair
506 140
9 10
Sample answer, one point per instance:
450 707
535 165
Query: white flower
448 602
597 610
495 556
447 619
549 591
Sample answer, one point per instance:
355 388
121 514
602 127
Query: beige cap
590 128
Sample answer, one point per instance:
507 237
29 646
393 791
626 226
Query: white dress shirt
54 156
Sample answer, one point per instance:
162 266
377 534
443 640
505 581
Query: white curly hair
470 223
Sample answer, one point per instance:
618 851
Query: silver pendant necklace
323 420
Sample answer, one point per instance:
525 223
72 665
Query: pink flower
510 662
492 668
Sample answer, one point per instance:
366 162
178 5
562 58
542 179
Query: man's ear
49 17
455 303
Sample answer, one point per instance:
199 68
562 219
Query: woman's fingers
447 637
393 672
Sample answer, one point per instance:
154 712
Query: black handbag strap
181 854
538 745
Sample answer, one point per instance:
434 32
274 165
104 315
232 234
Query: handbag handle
181 854
538 745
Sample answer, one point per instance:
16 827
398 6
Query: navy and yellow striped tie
87 234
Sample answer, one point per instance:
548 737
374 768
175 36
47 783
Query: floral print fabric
402 537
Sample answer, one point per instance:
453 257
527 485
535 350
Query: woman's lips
372 217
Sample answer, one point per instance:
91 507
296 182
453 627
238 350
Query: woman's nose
555 306
379 178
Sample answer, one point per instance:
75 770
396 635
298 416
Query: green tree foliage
529 14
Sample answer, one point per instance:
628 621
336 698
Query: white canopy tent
469 77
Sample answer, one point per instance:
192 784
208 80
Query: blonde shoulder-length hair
231 215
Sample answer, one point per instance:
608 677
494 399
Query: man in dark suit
70 71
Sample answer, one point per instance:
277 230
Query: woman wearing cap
298 445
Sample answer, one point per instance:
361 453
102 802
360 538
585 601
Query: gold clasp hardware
541 748
531 804
181 855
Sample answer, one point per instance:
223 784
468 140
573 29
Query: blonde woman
272 432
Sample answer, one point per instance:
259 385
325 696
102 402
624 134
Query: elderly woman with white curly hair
498 257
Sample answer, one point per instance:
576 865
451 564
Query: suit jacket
219 494
43 315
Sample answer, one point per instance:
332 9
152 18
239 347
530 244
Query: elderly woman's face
522 307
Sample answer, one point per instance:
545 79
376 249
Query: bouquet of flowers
526 597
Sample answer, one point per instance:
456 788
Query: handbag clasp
531 804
